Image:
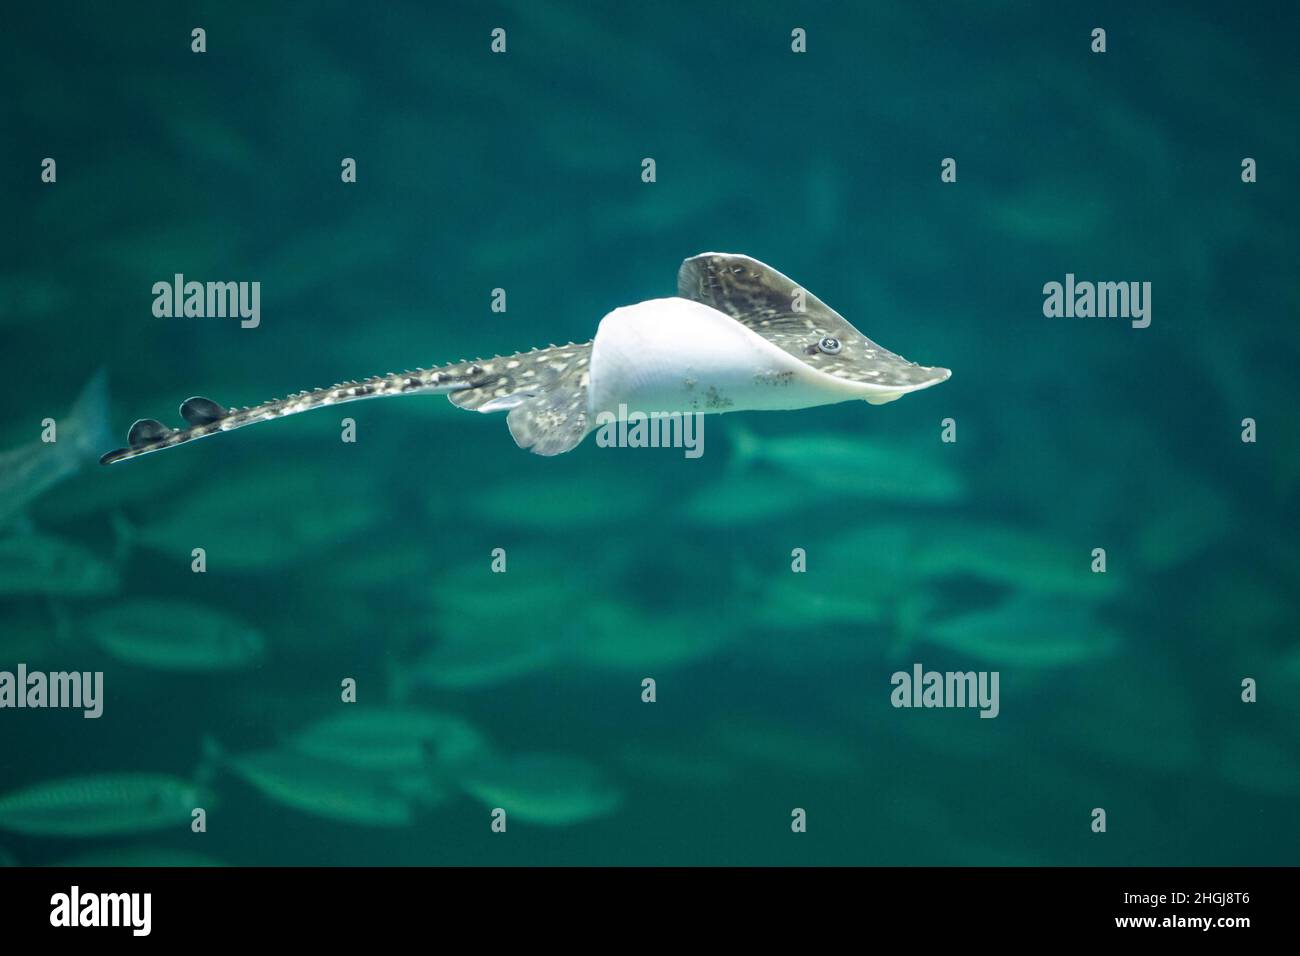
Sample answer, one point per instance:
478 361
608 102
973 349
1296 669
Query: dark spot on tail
146 431
202 411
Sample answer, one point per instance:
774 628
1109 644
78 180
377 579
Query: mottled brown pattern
531 372
469 384
763 300
545 390
555 421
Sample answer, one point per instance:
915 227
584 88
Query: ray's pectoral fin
756 295
796 321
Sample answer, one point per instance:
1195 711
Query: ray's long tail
205 417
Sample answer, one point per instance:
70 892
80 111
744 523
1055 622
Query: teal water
371 560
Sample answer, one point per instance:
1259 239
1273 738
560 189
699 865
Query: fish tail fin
205 417
88 419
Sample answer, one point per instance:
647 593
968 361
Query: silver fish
548 789
33 564
324 788
852 466
390 738
174 636
481 653
1024 631
108 804
258 520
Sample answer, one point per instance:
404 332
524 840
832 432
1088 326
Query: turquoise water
372 560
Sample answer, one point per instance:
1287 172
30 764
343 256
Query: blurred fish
138 856
1012 556
804 601
620 635
860 467
473 589
587 499
108 804
324 788
742 500
845 612
494 628
1258 764
174 636
424 788
390 738
36 564
29 471
1023 631
87 494
261 520
397 565
548 789
995 553
1047 211
878 558
480 652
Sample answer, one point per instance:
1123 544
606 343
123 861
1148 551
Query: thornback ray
739 336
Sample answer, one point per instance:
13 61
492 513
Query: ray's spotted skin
739 336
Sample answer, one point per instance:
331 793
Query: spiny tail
205 417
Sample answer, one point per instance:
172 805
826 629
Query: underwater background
372 560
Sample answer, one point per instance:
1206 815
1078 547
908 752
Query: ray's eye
830 345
